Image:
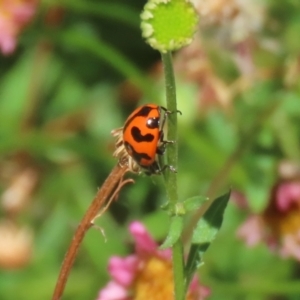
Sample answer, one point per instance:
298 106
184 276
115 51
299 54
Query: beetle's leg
171 168
155 169
162 146
166 113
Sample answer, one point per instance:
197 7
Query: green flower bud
168 25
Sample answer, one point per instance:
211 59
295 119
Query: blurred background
71 71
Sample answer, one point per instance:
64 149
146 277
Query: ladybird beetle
142 138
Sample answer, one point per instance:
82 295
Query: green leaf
204 233
211 222
193 203
188 205
174 232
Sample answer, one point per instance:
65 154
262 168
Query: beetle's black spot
136 156
143 112
154 168
138 137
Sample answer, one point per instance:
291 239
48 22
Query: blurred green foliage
67 86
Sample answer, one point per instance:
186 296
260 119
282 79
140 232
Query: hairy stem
171 177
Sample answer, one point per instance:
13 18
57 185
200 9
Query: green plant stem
171 177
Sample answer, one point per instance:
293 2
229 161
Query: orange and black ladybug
143 138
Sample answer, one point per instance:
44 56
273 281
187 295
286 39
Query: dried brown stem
112 197
104 196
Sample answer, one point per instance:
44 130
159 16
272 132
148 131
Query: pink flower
147 272
251 231
279 224
14 15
